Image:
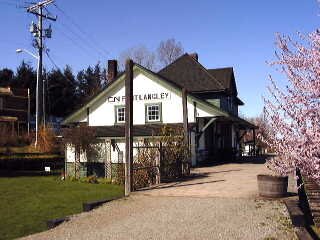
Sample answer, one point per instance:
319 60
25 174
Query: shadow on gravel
178 184
226 171
241 160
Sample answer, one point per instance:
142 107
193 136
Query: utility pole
37 30
128 128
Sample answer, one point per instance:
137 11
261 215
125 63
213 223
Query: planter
272 186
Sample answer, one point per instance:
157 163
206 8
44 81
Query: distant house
212 106
15 109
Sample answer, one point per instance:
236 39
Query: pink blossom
293 113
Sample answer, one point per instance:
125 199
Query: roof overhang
239 101
8 119
243 124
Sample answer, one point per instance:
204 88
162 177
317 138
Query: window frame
116 114
159 104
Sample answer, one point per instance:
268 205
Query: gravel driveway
186 210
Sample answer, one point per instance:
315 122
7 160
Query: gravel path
147 217
173 212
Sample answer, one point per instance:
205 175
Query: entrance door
210 142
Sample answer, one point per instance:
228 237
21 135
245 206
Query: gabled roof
189 73
223 74
226 77
118 79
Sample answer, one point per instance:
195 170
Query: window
120 114
153 112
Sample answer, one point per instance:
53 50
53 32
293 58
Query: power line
52 62
15 4
83 40
89 36
76 43
93 42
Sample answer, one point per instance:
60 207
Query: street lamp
19 50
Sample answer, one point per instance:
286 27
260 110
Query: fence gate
117 166
173 165
146 166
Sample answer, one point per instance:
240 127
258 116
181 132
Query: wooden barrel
272 186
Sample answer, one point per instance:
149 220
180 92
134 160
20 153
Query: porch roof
138 130
243 124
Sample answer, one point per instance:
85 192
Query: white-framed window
120 113
153 112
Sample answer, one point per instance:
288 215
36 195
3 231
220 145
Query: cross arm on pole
44 16
39 4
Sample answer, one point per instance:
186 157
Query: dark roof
138 130
224 75
239 101
189 73
242 124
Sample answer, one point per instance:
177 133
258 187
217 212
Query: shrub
46 139
175 152
144 164
104 180
90 179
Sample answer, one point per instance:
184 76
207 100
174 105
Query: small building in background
15 109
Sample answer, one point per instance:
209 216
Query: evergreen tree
91 81
62 96
6 77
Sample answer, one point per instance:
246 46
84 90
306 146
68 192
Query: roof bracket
207 125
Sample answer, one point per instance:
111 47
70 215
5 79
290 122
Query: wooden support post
128 127
88 113
28 126
12 128
160 161
196 120
107 159
185 116
185 126
254 141
65 161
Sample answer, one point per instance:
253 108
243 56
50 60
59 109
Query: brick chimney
112 70
194 56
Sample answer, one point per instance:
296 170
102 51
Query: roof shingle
187 72
224 75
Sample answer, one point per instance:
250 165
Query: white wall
70 155
102 113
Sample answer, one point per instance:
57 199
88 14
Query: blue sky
224 33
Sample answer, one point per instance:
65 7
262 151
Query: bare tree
141 55
169 51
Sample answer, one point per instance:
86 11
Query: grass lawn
31 156
27 202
